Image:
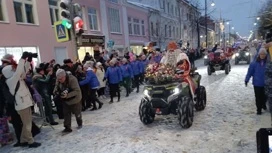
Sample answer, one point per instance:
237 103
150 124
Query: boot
54 123
67 130
100 105
34 145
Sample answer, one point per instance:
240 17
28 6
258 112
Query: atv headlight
237 54
205 57
176 91
247 54
146 92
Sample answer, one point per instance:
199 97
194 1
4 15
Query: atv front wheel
186 112
201 99
145 112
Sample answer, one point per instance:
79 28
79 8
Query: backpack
10 99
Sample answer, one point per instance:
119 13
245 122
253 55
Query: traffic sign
61 32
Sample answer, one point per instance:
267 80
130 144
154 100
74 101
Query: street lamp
201 36
232 28
227 22
251 31
213 4
258 18
255 23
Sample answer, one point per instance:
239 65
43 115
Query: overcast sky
241 13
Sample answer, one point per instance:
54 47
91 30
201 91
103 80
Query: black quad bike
216 63
173 98
242 55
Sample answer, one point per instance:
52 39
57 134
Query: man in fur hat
171 54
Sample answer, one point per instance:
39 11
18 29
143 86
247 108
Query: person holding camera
257 70
23 101
67 88
41 82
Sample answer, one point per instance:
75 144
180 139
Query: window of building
163 5
172 9
165 30
177 32
136 27
113 1
170 29
54 11
114 19
152 29
174 32
130 26
1 11
168 8
143 28
24 11
92 14
157 29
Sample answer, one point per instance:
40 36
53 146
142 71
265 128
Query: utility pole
206 23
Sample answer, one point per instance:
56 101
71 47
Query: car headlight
247 54
176 91
237 54
146 92
205 57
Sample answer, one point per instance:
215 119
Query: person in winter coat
93 83
127 74
100 73
68 89
137 70
257 71
114 77
144 63
80 75
23 100
41 82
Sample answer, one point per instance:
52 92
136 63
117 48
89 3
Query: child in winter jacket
257 71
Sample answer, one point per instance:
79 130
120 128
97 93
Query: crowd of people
71 88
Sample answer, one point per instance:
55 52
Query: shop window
92 14
18 51
114 19
54 11
24 11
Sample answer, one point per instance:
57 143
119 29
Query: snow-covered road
227 125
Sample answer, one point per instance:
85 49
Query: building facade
27 25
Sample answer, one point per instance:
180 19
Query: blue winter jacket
91 80
136 67
127 71
144 65
256 70
114 75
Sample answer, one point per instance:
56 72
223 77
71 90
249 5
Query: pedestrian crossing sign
61 32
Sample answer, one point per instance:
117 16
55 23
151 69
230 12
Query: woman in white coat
23 100
100 73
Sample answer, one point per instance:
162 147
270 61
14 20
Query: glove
104 79
25 55
246 83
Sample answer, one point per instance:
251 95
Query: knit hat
98 64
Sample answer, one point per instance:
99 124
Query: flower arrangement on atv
159 73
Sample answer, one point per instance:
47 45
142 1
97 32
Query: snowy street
228 124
